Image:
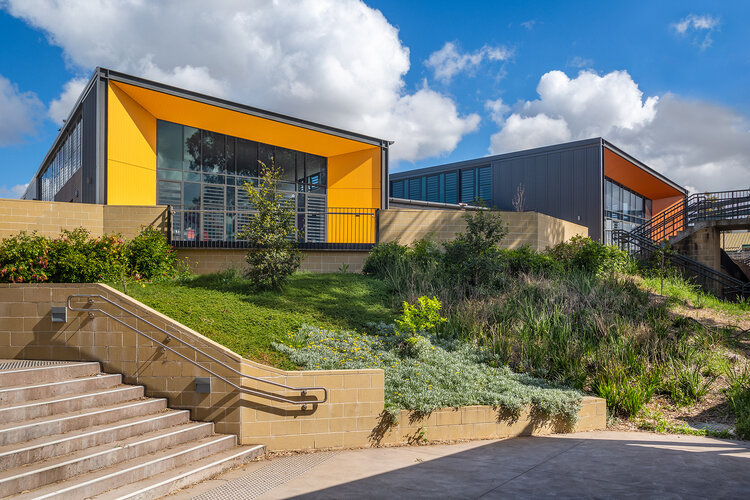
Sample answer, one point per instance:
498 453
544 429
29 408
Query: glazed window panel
66 162
169 145
203 174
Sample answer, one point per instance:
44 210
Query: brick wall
350 418
48 218
536 230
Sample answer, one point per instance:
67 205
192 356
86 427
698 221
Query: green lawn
227 310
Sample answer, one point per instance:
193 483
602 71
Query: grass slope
224 308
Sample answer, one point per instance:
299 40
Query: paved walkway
583 465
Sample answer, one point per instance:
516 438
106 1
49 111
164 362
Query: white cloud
696 143
448 61
13 191
60 108
497 109
580 62
20 113
529 25
699 28
337 62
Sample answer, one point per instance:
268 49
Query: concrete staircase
69 431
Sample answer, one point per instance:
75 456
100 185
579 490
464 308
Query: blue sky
666 81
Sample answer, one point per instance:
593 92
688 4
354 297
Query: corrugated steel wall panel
565 184
89 161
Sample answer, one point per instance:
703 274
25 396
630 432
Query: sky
666 81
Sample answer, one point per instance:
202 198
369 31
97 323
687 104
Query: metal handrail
728 283
694 208
303 390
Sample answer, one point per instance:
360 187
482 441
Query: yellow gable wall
353 182
131 151
354 179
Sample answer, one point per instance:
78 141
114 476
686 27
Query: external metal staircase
675 222
69 431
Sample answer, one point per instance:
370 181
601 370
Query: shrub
473 257
591 256
271 232
25 258
384 257
421 317
78 258
150 256
525 260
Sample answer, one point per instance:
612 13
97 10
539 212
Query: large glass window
467 186
66 162
201 174
623 209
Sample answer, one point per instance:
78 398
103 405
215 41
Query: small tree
271 233
473 256
519 200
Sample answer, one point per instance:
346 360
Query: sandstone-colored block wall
211 260
48 218
486 422
352 416
538 231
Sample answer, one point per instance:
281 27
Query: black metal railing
345 228
712 280
645 239
719 205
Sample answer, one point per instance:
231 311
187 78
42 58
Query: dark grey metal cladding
565 184
89 160
71 191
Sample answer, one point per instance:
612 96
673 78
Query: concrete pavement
588 465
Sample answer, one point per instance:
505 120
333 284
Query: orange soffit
226 121
633 177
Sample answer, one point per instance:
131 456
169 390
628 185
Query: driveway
581 465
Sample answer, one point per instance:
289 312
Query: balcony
329 229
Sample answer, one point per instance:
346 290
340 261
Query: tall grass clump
738 393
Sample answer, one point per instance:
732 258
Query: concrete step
181 477
61 468
46 447
131 471
17 432
28 393
69 403
53 373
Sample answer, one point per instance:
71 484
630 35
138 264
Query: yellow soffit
225 121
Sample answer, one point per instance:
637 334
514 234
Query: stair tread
91 452
67 397
76 413
62 364
208 464
97 376
77 433
65 486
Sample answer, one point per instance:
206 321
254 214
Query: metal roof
195 96
487 160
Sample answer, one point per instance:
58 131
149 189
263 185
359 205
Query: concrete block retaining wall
351 418
538 231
